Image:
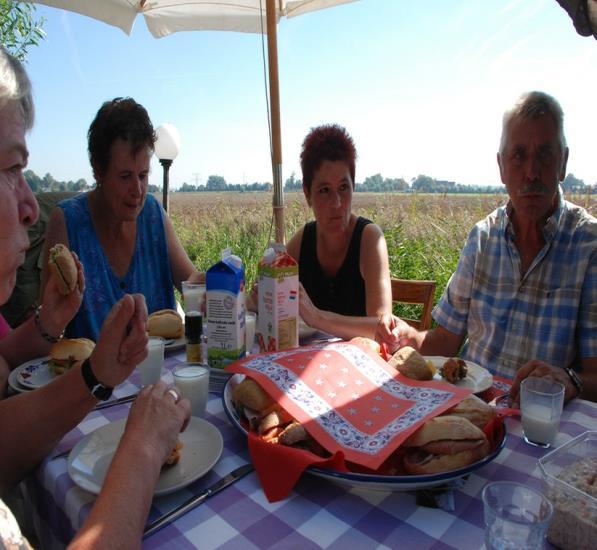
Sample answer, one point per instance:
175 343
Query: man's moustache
536 188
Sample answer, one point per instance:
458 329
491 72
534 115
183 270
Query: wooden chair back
410 291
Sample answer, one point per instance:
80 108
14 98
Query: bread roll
250 394
442 444
174 455
411 363
63 268
68 352
166 323
475 410
367 342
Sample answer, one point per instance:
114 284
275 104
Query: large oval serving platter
368 481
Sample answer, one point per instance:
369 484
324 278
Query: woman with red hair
343 258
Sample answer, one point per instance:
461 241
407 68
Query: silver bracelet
47 337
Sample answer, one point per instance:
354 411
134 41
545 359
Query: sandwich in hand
442 444
63 268
166 323
67 353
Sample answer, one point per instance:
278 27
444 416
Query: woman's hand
395 333
307 310
122 341
57 309
157 416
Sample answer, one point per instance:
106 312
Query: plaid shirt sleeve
453 308
587 318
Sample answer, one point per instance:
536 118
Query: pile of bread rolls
452 440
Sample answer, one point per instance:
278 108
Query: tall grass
424 233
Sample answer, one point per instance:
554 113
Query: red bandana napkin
351 401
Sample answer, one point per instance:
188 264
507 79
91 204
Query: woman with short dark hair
343 258
121 234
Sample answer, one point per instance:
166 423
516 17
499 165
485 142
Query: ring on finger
174 394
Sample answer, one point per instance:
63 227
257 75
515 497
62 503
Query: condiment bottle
196 340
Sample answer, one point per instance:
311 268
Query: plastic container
570 482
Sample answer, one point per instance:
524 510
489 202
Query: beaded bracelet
47 337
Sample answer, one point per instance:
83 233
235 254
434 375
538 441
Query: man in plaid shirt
523 299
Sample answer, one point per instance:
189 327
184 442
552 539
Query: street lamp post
167 146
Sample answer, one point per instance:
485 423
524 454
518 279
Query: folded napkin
351 401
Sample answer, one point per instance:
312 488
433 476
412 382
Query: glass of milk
192 381
250 323
193 295
150 368
541 404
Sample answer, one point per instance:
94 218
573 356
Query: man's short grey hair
15 86
531 105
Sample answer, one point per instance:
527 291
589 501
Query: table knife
119 401
189 504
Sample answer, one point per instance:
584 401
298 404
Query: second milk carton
225 310
278 300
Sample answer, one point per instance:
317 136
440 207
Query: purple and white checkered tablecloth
317 514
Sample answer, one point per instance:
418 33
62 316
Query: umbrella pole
274 94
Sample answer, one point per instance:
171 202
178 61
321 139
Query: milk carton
278 300
225 307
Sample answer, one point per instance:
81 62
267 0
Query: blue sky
421 87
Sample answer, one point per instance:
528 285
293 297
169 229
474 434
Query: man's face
18 207
531 166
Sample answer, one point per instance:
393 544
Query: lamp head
167 143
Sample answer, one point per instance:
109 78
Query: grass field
424 233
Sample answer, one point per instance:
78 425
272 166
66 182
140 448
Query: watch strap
575 379
96 388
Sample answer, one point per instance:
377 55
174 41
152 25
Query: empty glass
516 516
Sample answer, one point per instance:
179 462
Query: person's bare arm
180 264
118 516
47 413
44 415
396 333
375 270
294 244
588 376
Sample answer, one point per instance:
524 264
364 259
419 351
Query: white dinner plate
368 481
90 459
34 374
477 378
14 383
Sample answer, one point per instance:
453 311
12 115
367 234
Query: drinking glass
250 323
516 516
541 404
193 295
192 381
150 368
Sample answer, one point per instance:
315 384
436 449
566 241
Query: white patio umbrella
164 17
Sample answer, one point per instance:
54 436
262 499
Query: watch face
101 392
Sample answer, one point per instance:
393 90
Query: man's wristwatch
97 389
575 379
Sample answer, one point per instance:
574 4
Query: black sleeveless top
344 293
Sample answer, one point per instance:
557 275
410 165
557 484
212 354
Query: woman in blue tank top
121 234
343 259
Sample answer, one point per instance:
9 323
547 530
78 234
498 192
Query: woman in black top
343 259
